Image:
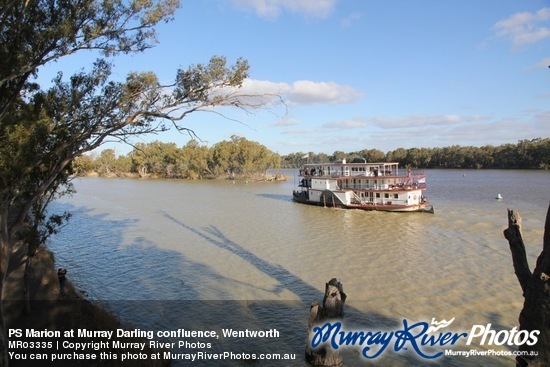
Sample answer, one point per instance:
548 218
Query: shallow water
154 241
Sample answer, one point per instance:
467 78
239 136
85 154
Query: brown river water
168 254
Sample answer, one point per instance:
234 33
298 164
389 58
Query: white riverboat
367 186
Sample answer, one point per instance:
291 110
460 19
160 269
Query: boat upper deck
383 169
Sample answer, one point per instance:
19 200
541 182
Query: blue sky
361 74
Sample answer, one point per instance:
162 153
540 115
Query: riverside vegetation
525 154
237 158
241 158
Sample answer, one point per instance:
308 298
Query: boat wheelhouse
367 186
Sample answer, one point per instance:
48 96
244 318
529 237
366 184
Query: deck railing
340 173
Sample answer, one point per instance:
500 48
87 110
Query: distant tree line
526 154
237 158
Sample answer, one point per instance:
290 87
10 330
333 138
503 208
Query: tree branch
543 262
517 247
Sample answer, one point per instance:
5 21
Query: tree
105 164
535 285
123 164
43 131
398 155
337 156
139 159
158 159
36 32
223 159
241 157
370 155
41 228
83 164
196 160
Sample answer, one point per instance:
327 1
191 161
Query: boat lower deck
333 202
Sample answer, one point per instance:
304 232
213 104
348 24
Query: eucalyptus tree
397 155
337 156
195 157
241 158
83 164
294 160
43 131
223 159
105 163
370 155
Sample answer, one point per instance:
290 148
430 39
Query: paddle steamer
367 186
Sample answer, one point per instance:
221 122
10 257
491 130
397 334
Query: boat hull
423 207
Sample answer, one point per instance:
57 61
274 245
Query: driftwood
332 309
535 285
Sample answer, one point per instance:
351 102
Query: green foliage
83 164
195 82
526 154
36 32
43 131
238 157
195 159
105 163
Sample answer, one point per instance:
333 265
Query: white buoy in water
498 196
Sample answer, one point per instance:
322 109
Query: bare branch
543 261
517 247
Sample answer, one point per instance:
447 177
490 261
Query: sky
365 74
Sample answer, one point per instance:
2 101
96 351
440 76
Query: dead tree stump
332 309
535 285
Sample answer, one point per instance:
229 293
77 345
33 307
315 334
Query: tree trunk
535 314
4 260
334 299
26 282
332 308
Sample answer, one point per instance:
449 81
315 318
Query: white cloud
524 28
404 125
303 92
305 132
264 87
437 131
354 123
286 122
271 9
469 130
422 120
